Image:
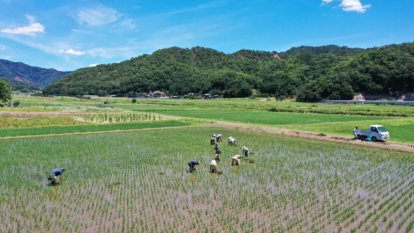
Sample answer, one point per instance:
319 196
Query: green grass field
10 132
137 182
340 118
265 118
400 128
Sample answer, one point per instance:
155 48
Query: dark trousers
192 167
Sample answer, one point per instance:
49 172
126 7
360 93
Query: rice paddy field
138 182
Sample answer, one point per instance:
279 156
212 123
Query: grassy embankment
84 128
137 182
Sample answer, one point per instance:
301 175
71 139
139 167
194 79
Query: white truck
375 133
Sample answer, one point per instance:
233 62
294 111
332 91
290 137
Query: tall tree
5 95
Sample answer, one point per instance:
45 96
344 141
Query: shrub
16 103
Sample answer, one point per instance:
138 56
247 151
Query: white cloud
73 52
93 65
200 7
350 5
128 23
70 51
97 16
354 5
326 1
2 47
29 30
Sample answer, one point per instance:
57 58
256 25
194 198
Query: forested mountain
25 73
332 49
15 85
334 73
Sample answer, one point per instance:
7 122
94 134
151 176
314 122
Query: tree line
307 73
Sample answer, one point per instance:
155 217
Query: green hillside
18 85
323 72
30 74
328 49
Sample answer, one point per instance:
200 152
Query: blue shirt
56 172
194 162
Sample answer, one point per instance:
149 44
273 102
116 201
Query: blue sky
67 35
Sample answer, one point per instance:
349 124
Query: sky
68 35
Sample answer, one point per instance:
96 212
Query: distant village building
364 96
150 94
158 94
89 96
132 95
208 96
406 97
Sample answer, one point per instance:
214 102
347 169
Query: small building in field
132 95
208 96
89 96
159 94
118 95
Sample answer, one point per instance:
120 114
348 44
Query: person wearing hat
219 138
212 140
232 141
213 166
54 175
192 165
235 159
218 151
246 151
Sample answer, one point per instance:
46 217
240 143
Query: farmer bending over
213 136
54 175
246 151
192 165
213 166
219 138
232 141
235 159
212 140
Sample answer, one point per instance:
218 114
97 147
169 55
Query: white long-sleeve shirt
355 131
213 162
